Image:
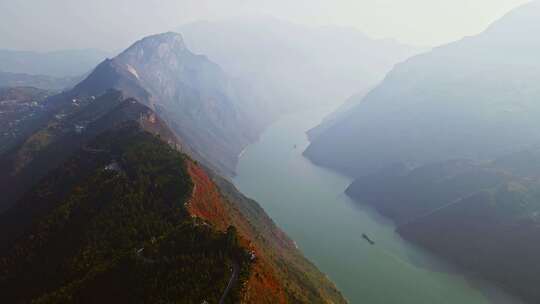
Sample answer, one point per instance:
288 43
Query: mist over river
308 203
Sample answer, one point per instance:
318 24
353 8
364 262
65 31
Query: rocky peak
161 47
162 42
190 93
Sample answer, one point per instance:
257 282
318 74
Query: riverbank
308 203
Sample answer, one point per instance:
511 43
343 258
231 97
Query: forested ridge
110 226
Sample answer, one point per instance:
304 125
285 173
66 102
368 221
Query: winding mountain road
232 281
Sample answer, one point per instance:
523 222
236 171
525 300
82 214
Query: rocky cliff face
193 95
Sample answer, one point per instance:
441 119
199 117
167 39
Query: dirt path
232 281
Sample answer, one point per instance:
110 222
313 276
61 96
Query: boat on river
370 241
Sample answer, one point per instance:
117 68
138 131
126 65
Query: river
307 202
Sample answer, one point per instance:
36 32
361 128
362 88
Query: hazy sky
114 24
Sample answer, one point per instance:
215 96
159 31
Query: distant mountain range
44 82
475 98
101 203
59 64
286 67
54 71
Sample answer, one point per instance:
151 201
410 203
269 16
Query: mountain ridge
70 145
474 98
191 93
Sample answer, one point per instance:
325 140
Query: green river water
307 202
